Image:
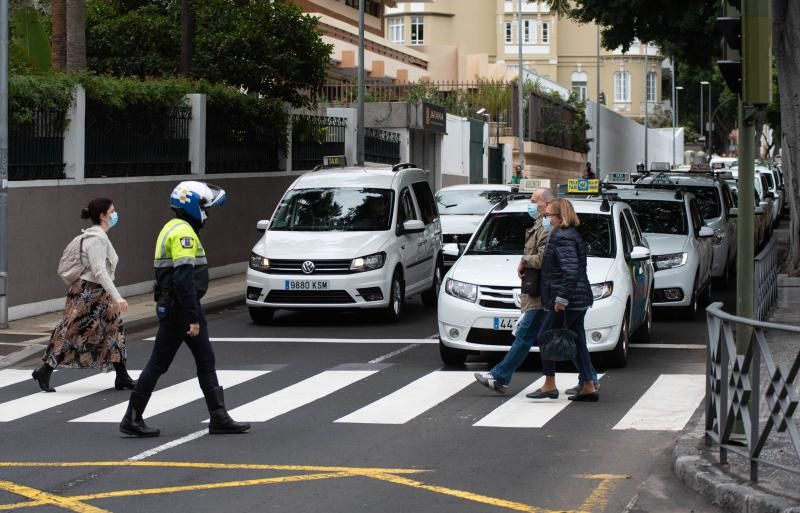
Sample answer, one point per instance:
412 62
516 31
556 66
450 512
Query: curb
696 466
139 324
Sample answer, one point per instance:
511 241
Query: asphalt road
373 425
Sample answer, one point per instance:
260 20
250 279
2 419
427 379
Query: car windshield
660 216
503 233
335 209
468 202
707 198
770 180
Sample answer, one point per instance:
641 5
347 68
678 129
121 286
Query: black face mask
194 223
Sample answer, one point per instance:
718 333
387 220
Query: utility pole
3 163
521 86
674 111
646 106
360 132
597 111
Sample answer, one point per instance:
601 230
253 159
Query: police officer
181 271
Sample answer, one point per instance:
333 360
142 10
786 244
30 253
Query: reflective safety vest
179 245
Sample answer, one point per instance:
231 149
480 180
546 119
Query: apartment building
480 38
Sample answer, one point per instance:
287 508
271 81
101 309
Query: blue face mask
546 224
113 219
533 211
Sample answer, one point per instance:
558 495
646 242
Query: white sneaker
486 379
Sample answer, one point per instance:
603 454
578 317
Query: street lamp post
702 127
678 90
360 132
673 110
3 163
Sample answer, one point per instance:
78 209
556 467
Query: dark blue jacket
564 278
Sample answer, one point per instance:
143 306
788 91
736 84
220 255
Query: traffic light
730 25
746 63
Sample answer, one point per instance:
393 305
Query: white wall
455 147
622 142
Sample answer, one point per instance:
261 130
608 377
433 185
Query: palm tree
58 14
76 35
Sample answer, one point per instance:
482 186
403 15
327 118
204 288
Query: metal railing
313 137
36 149
136 142
734 390
381 146
236 146
765 289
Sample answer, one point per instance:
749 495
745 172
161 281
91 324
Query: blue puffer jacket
563 277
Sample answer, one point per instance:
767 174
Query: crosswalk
666 404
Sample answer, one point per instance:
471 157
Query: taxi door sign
531 184
661 179
583 186
620 177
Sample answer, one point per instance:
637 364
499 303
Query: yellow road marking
230 466
43 498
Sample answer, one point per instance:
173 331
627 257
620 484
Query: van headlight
259 263
662 262
461 290
368 263
602 290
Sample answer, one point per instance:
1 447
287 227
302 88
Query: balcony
527 7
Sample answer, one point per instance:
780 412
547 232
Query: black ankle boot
221 423
42 376
123 380
133 423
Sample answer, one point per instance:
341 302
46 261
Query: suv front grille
498 297
300 297
320 267
490 337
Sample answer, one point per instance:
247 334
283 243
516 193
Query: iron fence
314 137
381 146
235 146
734 390
136 142
553 124
36 149
765 290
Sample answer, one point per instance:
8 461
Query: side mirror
262 225
733 212
705 232
414 226
451 249
640 253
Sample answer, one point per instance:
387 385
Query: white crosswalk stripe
667 405
297 395
10 377
171 397
521 412
412 400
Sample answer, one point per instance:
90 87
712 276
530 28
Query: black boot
42 376
221 423
123 380
133 423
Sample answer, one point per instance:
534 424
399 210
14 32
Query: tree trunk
76 35
187 37
786 41
58 14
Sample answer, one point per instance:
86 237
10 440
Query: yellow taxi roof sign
583 186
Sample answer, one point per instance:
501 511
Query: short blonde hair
564 209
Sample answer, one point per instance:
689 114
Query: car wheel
694 307
261 315
396 299
619 355
431 296
452 357
644 333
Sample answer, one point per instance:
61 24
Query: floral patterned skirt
90 334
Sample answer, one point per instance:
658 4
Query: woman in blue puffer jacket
566 292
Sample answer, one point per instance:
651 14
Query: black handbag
530 282
558 344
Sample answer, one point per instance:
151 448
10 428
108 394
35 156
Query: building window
417 30
528 31
508 32
622 87
396 30
579 88
546 32
651 87
371 7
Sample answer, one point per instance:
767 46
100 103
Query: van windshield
334 209
468 202
660 216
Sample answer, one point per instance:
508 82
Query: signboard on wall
434 118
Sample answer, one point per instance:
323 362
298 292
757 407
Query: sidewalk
728 486
29 336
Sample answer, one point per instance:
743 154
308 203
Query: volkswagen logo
308 267
518 298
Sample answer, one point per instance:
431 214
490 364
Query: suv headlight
662 262
461 290
368 263
719 236
259 263
602 290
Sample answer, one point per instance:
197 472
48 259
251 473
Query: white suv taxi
680 243
348 238
479 303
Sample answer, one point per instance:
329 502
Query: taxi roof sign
660 166
334 160
583 186
661 179
618 177
699 168
531 184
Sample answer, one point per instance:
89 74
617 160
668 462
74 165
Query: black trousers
172 329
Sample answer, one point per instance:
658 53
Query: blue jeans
574 321
527 331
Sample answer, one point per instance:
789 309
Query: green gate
496 164
475 151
